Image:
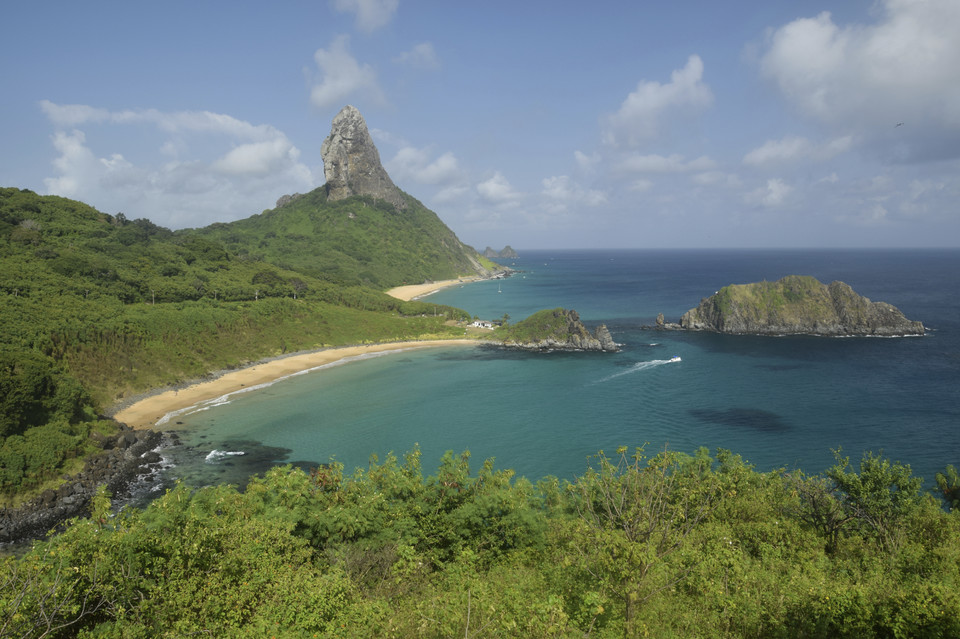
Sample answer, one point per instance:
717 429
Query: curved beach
147 412
415 291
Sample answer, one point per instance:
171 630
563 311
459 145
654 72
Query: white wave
216 455
637 367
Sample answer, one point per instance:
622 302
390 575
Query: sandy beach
414 291
150 410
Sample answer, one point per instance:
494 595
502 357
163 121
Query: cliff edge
797 304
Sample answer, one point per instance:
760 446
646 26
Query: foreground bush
673 545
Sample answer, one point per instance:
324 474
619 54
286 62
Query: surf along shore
147 412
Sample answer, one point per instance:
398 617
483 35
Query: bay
780 402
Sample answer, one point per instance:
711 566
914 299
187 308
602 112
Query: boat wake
640 366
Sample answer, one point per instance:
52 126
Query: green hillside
356 241
114 307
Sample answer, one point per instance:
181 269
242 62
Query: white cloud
371 14
904 67
562 192
772 195
421 56
639 186
498 191
411 163
258 158
717 178
675 163
342 76
72 115
586 162
793 148
639 117
231 168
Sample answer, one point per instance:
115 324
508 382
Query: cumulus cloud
794 148
228 170
498 191
371 14
640 115
586 162
904 67
717 178
421 56
73 115
411 163
675 163
341 76
562 193
771 195
258 158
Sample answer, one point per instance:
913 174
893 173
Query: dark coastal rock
125 457
797 305
556 329
351 162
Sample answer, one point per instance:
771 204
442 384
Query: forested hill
98 307
358 240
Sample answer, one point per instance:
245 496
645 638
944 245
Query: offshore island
795 305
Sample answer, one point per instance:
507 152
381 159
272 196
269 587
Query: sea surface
779 402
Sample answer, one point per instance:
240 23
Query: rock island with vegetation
797 304
555 329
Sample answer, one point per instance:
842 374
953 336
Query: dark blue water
777 401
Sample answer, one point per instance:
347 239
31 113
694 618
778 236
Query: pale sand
147 412
414 291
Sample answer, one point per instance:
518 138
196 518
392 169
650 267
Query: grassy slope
124 305
353 241
795 299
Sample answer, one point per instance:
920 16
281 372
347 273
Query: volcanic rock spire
351 162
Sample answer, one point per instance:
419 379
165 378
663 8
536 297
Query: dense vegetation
97 307
672 546
545 324
354 241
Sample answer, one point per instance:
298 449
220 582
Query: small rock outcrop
351 162
506 254
797 305
123 459
555 330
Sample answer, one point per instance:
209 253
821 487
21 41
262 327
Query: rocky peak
351 162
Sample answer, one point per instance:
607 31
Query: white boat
676 358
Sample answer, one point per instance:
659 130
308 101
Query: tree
633 514
948 482
879 496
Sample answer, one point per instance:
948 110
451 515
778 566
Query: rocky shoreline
125 457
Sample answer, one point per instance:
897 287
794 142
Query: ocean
779 402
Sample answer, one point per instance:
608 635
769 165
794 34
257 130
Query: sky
538 124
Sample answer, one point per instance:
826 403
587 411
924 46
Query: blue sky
535 124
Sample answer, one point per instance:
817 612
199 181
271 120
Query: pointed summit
351 162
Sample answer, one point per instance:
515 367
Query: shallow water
779 402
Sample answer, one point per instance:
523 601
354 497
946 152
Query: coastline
416 291
146 413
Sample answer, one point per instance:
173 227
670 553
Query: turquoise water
779 402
